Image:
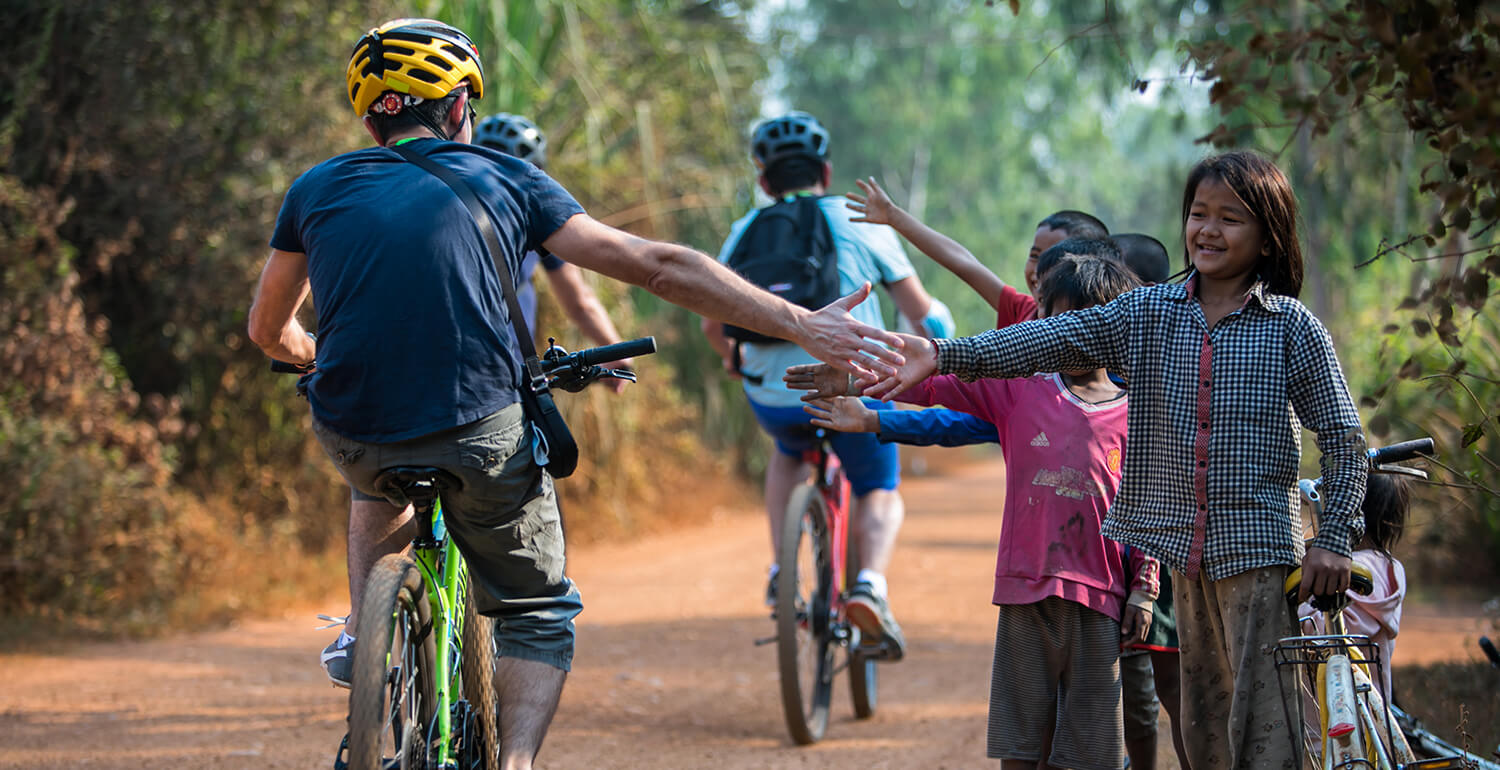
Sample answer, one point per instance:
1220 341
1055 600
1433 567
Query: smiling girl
1223 371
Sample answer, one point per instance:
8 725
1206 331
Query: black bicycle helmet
513 135
791 135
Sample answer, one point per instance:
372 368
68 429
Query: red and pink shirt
1063 462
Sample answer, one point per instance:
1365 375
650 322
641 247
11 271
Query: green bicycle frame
446 577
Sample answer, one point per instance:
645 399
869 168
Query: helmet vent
437 61
423 75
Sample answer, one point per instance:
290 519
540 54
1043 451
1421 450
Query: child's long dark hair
1267 193
1387 498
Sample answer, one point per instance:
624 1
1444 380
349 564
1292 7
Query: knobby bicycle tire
864 685
391 694
477 674
804 586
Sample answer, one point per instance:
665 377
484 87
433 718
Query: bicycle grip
1396 453
1490 651
627 349
283 367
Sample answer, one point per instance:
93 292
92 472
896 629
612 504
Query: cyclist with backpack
803 248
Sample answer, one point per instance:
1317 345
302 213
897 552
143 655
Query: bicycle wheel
864 688
391 694
804 586
481 750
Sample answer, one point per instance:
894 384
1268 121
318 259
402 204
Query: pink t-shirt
1063 458
1013 307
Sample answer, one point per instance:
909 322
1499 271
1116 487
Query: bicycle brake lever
620 374
1404 470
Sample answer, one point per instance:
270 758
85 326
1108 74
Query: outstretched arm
697 282
877 208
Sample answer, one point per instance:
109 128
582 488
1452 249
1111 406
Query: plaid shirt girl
1214 435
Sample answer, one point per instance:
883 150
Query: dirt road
667 673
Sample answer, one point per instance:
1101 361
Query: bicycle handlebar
569 371
1395 453
593 356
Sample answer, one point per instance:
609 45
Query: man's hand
1134 624
845 415
1324 573
836 338
874 206
822 381
920 363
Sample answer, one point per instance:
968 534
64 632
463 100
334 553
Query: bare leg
1164 665
376 528
528 692
783 472
876 521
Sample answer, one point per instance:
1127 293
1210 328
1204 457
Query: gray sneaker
872 614
339 663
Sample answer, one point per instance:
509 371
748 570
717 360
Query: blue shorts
869 464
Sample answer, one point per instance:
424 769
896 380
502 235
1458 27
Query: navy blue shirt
413 335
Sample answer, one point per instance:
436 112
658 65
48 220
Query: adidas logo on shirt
1041 440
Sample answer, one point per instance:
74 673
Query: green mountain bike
422 691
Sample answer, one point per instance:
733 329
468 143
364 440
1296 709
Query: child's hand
845 415
1324 573
1134 624
874 206
822 381
921 363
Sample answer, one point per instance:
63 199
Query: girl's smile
1225 240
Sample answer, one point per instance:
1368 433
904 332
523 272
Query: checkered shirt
1211 459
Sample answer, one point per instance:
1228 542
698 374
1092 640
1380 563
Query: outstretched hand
919 364
874 206
843 414
822 381
840 340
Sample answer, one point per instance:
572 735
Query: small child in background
1378 616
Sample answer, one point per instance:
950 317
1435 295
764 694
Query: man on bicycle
791 153
414 364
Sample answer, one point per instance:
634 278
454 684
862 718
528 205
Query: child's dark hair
1145 255
1387 498
795 173
1076 224
1083 247
1263 189
1082 280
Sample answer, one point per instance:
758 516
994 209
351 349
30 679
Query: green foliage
144 150
983 124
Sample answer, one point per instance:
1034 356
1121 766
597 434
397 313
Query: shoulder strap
492 244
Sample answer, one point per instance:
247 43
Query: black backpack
788 250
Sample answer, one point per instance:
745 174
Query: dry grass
1438 693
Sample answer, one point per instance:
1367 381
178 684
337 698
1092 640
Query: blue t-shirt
866 253
413 336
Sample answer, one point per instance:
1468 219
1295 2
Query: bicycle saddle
1360 582
403 484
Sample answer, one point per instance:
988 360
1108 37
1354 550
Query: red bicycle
815 570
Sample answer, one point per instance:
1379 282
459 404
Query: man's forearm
699 283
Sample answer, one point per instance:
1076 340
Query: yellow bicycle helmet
413 60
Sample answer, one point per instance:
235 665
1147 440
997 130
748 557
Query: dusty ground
667 673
